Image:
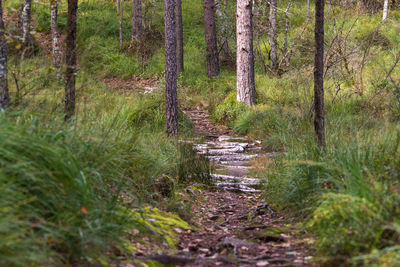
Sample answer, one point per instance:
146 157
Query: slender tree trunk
319 116
385 9
226 53
211 38
19 14
285 45
118 4
308 8
137 22
153 11
171 103
245 58
121 20
4 96
26 23
272 36
179 36
70 56
56 46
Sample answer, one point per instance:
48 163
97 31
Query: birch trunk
385 9
121 18
56 46
308 9
171 102
245 58
319 116
211 38
70 56
4 96
26 23
179 36
272 36
137 23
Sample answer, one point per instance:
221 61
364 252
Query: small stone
262 263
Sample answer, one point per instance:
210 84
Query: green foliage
345 225
57 206
229 110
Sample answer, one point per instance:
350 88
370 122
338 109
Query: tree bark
26 23
287 24
171 102
137 22
121 19
385 9
70 56
245 58
226 52
153 11
319 116
118 5
4 96
179 36
308 8
272 36
211 38
56 46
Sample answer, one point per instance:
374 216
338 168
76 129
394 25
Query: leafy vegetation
66 188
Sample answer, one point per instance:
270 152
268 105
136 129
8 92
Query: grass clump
56 208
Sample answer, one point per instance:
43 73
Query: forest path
236 227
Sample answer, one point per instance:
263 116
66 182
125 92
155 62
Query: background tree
4 96
179 36
171 101
272 36
137 21
56 46
224 29
121 20
245 58
385 9
26 23
211 38
319 111
70 57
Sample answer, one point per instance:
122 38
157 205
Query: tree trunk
121 19
245 58
385 9
137 22
179 36
308 8
56 46
211 38
171 101
272 36
153 11
118 4
285 45
226 52
26 23
4 96
70 56
319 116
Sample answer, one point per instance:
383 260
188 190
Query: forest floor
234 224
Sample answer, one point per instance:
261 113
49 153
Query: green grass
117 139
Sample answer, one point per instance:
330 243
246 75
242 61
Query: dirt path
236 226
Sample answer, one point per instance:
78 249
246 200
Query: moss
160 225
